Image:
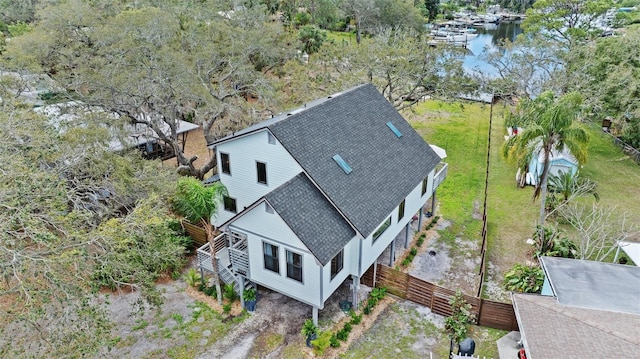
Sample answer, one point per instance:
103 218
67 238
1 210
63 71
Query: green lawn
461 129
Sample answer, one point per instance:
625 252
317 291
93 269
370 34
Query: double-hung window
262 172
337 263
230 204
401 210
271 257
294 266
225 164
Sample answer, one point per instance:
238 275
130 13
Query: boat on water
454 34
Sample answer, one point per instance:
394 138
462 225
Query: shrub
414 251
140 253
420 241
524 279
321 343
355 318
378 293
226 308
249 294
435 219
372 302
333 341
229 292
405 262
192 277
366 310
342 335
457 325
308 328
210 291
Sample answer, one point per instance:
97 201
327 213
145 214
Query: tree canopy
148 64
73 218
568 22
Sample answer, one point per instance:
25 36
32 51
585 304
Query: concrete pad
508 345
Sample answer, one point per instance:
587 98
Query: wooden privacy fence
489 313
199 236
196 232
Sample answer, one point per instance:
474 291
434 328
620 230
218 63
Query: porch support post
314 315
375 272
420 214
433 204
201 272
407 229
241 291
354 291
392 254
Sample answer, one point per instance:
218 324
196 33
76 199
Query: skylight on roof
394 129
343 164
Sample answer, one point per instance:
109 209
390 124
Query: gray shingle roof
553 330
311 217
354 125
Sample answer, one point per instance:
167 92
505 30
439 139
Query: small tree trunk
214 262
543 199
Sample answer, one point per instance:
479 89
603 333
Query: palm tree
200 203
570 185
549 127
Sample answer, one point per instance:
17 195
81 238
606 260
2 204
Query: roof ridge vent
343 164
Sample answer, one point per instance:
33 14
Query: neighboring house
317 194
72 114
587 310
559 162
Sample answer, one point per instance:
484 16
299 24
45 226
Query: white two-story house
317 194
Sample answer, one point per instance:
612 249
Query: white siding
350 267
243 184
260 226
371 251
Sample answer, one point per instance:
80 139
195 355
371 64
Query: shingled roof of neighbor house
552 330
386 158
311 217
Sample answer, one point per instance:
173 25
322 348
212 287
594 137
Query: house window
271 138
401 210
262 172
337 263
226 165
230 204
271 257
294 266
268 208
383 227
424 185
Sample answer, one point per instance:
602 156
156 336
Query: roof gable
311 217
385 166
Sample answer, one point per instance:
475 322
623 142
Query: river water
488 39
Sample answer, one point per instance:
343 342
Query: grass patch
140 324
461 129
266 343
